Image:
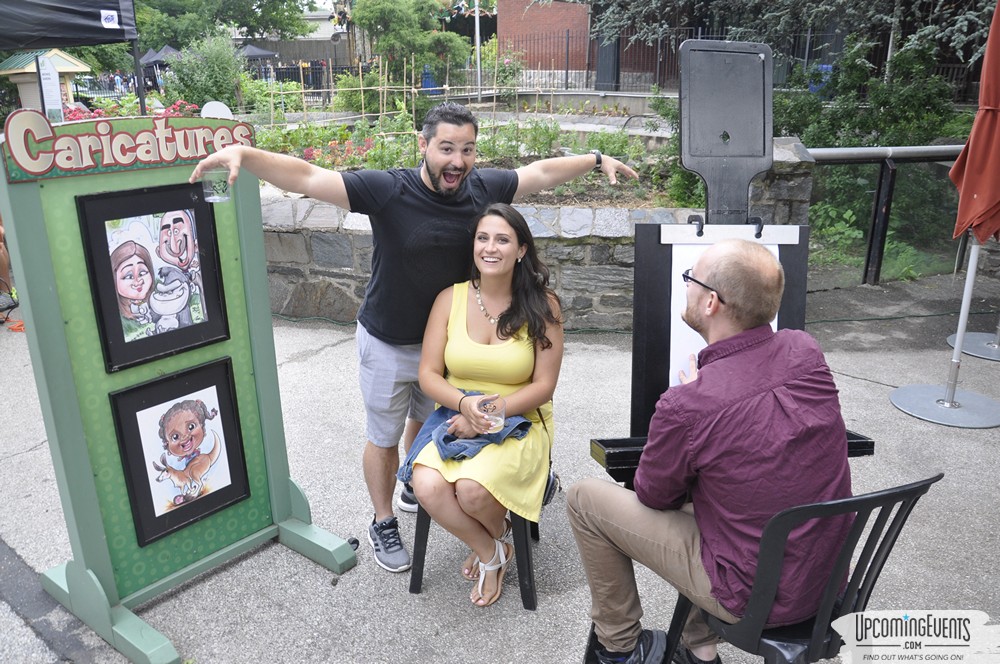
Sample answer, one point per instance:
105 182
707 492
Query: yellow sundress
515 471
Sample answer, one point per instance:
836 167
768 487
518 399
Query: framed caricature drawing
153 265
181 448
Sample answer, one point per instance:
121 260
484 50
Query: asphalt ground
274 605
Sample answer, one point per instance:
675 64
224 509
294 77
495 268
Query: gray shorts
389 388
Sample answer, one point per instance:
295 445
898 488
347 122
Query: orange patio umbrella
976 172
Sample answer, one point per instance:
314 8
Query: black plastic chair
886 512
521 529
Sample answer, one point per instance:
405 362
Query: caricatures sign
154 271
37 150
181 448
154 360
141 280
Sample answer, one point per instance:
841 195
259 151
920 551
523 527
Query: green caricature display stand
163 419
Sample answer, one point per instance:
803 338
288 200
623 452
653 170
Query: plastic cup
215 182
495 411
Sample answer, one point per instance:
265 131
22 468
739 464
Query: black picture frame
181 448
158 244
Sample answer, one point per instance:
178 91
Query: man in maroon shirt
754 428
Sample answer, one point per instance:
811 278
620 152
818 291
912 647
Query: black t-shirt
422 242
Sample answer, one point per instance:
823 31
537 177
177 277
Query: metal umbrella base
946 404
928 402
979 344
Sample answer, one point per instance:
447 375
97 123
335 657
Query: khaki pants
612 528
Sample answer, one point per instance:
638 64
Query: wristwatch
597 153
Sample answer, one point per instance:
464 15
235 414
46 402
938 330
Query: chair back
883 513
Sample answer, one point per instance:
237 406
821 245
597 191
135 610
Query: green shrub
303 137
617 144
390 143
208 70
501 69
683 188
540 137
860 107
351 89
498 142
258 95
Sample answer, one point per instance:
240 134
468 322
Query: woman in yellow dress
499 334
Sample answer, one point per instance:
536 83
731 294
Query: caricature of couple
153 299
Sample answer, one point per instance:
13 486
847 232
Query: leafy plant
502 67
405 35
499 141
128 106
208 70
837 233
351 89
683 188
540 137
259 95
303 137
861 107
617 144
391 142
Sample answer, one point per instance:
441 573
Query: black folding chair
885 512
814 639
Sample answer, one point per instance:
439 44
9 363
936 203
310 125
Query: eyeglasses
686 275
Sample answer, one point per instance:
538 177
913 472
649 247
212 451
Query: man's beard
690 315
436 183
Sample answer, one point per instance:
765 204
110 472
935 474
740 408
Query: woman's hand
460 427
470 422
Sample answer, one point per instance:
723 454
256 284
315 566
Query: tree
177 23
405 31
208 70
105 57
181 22
961 27
280 19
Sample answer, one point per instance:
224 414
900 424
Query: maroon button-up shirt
759 431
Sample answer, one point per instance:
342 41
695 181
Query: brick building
539 31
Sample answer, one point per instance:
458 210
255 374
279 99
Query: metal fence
568 60
565 60
888 160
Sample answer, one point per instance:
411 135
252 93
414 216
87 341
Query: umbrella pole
978 344
958 408
963 322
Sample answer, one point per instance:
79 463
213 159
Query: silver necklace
482 307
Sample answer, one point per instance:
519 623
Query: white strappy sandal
498 562
472 571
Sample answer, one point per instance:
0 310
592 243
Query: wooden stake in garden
361 87
302 83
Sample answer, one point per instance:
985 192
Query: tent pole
140 80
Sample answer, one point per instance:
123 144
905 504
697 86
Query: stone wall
319 256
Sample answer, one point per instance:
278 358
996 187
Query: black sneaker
649 649
389 550
684 656
407 501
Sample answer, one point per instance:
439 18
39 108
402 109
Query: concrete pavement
274 605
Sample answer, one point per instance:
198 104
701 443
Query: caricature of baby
182 431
